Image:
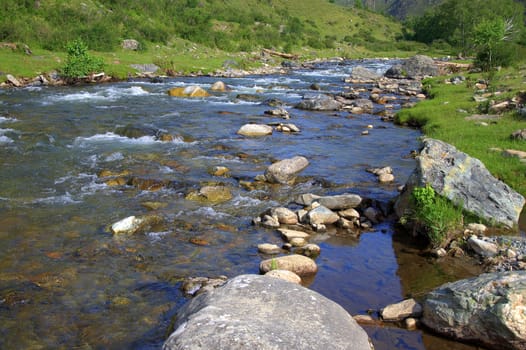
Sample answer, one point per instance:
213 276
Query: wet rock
285 171
361 105
322 215
148 184
270 249
439 252
285 216
299 264
138 131
189 91
401 310
193 286
249 97
226 319
306 199
463 180
482 247
278 112
255 130
288 127
487 309
285 275
320 102
288 235
154 205
372 214
380 171
341 201
350 214
135 224
385 178
310 250
211 194
219 171
363 75
269 221
219 86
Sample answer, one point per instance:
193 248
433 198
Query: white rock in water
255 130
126 226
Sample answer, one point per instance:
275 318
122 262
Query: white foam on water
4 140
7 120
112 137
64 199
157 236
208 212
115 156
108 94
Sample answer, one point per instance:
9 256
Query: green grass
443 117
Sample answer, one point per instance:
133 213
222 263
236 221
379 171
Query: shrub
435 215
79 62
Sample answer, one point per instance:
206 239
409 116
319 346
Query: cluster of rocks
320 211
298 228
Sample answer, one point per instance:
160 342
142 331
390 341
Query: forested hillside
400 9
230 25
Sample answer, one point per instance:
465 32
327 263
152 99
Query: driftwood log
280 54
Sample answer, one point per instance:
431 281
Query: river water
66 282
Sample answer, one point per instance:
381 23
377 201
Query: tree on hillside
454 21
489 35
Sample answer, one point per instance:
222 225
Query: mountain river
66 282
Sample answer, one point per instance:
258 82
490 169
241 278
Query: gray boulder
261 312
341 201
322 215
285 171
130 44
488 309
416 67
319 102
364 75
465 181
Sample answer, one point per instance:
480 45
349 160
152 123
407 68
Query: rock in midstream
285 171
299 264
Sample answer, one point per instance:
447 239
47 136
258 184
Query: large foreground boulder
465 181
261 312
489 309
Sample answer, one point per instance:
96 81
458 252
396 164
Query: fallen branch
280 54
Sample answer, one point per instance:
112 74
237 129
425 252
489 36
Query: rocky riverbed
113 194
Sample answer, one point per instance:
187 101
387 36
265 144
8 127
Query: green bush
79 62
434 215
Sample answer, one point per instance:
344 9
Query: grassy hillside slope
188 35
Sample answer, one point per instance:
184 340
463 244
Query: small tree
79 62
489 35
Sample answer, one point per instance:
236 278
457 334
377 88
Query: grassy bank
443 116
180 56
